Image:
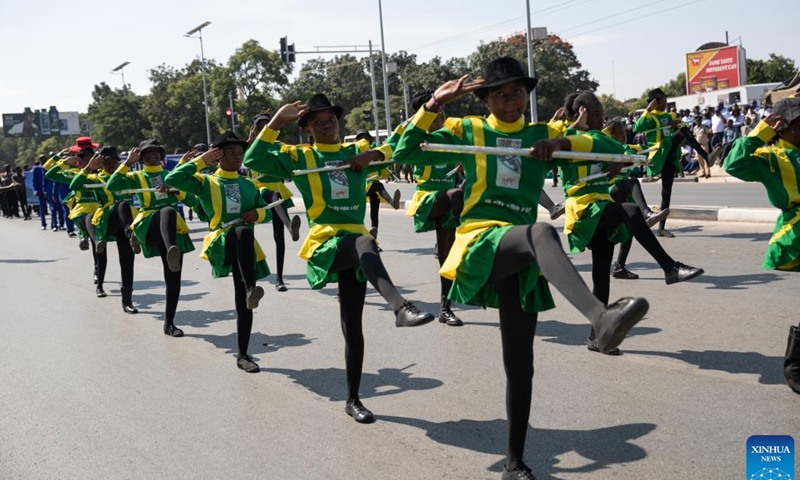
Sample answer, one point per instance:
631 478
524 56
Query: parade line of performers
491 250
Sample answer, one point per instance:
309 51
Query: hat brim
78 148
303 121
530 84
159 148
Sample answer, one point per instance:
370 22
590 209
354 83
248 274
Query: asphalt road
91 393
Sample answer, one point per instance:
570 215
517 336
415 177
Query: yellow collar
501 126
153 169
784 144
327 147
658 112
226 174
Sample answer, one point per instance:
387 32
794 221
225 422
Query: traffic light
368 116
228 112
287 51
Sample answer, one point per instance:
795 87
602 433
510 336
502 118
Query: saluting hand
212 157
288 113
64 152
559 114
133 157
581 122
451 90
73 161
93 163
250 216
775 121
652 105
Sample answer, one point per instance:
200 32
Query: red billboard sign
715 69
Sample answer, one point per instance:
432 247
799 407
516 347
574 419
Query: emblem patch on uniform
340 188
156 182
509 167
233 198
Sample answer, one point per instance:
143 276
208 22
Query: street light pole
121 70
531 70
385 75
199 30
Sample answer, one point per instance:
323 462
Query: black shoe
396 200
100 292
295 228
411 316
254 295
173 331
135 245
374 232
791 362
100 247
55 229
681 273
359 412
44 228
447 316
94 279
84 243
591 345
246 363
617 320
665 233
652 217
558 210
280 286
619 271
174 259
521 472
72 235
129 309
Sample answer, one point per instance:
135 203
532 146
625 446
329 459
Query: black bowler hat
226 138
318 103
109 152
655 93
153 144
420 99
363 133
501 71
200 147
85 152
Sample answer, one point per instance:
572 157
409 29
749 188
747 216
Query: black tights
354 251
519 248
668 178
614 215
162 235
375 189
620 192
280 218
100 259
444 202
240 254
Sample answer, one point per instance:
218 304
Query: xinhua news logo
770 457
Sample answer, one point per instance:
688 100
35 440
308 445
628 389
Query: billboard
715 69
41 123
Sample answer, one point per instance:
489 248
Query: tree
612 107
8 150
175 105
557 68
117 117
776 69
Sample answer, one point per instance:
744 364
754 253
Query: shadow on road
769 369
599 448
148 284
737 282
202 318
30 260
146 300
752 236
330 382
259 342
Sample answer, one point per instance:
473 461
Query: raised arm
186 177
266 154
122 179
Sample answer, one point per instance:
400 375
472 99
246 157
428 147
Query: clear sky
53 52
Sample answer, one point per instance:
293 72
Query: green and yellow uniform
499 192
225 196
82 201
658 126
431 179
586 200
106 199
335 201
150 202
778 168
271 182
